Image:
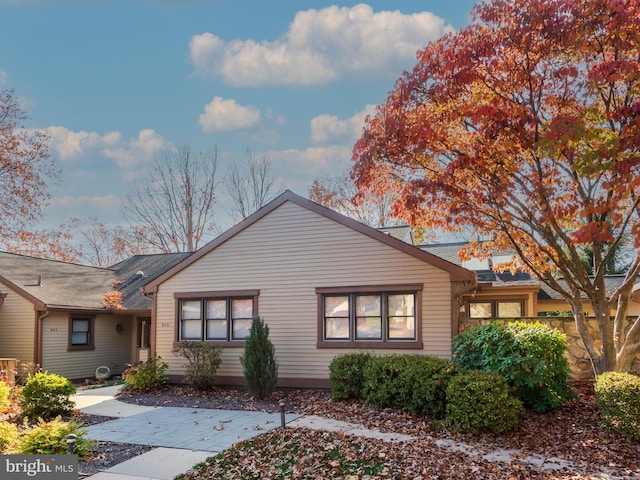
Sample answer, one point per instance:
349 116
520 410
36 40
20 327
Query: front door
143 341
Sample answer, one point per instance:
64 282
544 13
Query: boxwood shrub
479 401
531 356
346 375
410 383
618 399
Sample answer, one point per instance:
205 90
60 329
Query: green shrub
479 401
618 399
147 376
259 363
50 438
530 356
411 383
346 375
203 362
5 396
9 437
46 395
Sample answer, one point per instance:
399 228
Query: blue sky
117 81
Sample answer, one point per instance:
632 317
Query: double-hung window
81 332
216 316
369 317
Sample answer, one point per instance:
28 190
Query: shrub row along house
324 283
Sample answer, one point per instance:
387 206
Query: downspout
37 347
152 327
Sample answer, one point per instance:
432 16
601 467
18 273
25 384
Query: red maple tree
525 127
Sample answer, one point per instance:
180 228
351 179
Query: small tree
259 363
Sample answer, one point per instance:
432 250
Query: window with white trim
215 318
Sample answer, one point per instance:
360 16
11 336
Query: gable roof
137 271
456 272
50 283
54 284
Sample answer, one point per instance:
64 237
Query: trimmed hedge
410 383
479 401
531 356
618 399
346 375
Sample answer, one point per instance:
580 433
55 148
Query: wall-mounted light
119 328
2 297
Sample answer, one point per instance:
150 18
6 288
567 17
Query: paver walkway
188 428
187 436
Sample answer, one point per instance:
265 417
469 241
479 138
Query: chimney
39 284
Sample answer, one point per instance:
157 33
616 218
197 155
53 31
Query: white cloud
72 144
298 168
321 46
3 77
106 203
225 115
329 128
139 151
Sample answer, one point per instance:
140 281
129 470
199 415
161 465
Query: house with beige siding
53 314
325 284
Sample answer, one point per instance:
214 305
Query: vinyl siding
17 324
112 349
286 255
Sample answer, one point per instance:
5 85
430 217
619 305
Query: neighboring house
52 313
507 295
325 284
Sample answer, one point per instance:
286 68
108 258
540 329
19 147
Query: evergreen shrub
46 395
410 383
204 359
346 375
259 363
531 356
479 401
618 399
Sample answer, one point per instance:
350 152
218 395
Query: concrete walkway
185 437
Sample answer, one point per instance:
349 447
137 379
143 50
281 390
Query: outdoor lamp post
282 404
71 443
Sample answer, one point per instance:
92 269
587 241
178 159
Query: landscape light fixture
71 443
282 404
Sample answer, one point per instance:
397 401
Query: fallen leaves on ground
571 433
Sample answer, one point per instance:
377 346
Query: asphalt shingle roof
68 285
139 270
62 284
